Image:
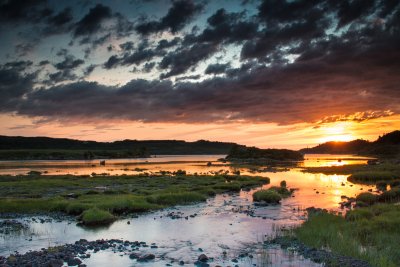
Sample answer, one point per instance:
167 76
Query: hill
386 145
17 147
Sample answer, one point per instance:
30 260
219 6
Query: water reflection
191 164
223 227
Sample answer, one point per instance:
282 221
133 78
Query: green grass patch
367 198
370 234
95 216
268 196
372 176
113 194
170 199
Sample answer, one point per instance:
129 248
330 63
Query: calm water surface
222 225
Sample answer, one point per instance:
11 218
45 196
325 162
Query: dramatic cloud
178 16
13 86
14 11
90 23
258 61
358 116
216 68
69 62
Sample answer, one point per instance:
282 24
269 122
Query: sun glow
337 132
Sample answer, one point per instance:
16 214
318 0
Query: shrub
268 196
283 191
283 183
95 216
390 196
367 198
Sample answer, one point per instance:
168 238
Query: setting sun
337 132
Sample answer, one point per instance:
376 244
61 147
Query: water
222 224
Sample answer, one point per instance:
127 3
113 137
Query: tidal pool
224 227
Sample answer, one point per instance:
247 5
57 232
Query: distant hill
386 145
17 147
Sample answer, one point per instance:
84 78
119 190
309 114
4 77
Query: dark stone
202 258
134 256
73 261
146 257
55 263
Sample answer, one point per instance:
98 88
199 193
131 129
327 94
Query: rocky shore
74 254
329 259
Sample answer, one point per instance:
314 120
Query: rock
55 263
134 256
181 263
73 262
202 258
146 257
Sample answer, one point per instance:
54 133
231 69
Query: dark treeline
151 147
386 145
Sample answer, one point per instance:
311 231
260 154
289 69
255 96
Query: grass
113 194
367 198
362 173
96 216
370 234
272 195
372 176
268 196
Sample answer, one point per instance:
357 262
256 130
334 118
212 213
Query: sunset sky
267 73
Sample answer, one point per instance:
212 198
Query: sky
266 73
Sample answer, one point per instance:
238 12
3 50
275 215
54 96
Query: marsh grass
272 195
362 173
367 198
372 176
370 233
118 194
268 196
96 216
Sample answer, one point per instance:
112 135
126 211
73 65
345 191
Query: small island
254 155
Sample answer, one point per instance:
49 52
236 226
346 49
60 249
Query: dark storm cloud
148 66
136 57
127 46
69 62
13 85
88 70
14 11
111 62
350 11
164 44
44 62
61 18
216 68
300 61
177 17
228 27
19 65
61 76
90 23
181 60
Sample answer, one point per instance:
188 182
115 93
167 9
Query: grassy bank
272 195
86 195
370 233
387 171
